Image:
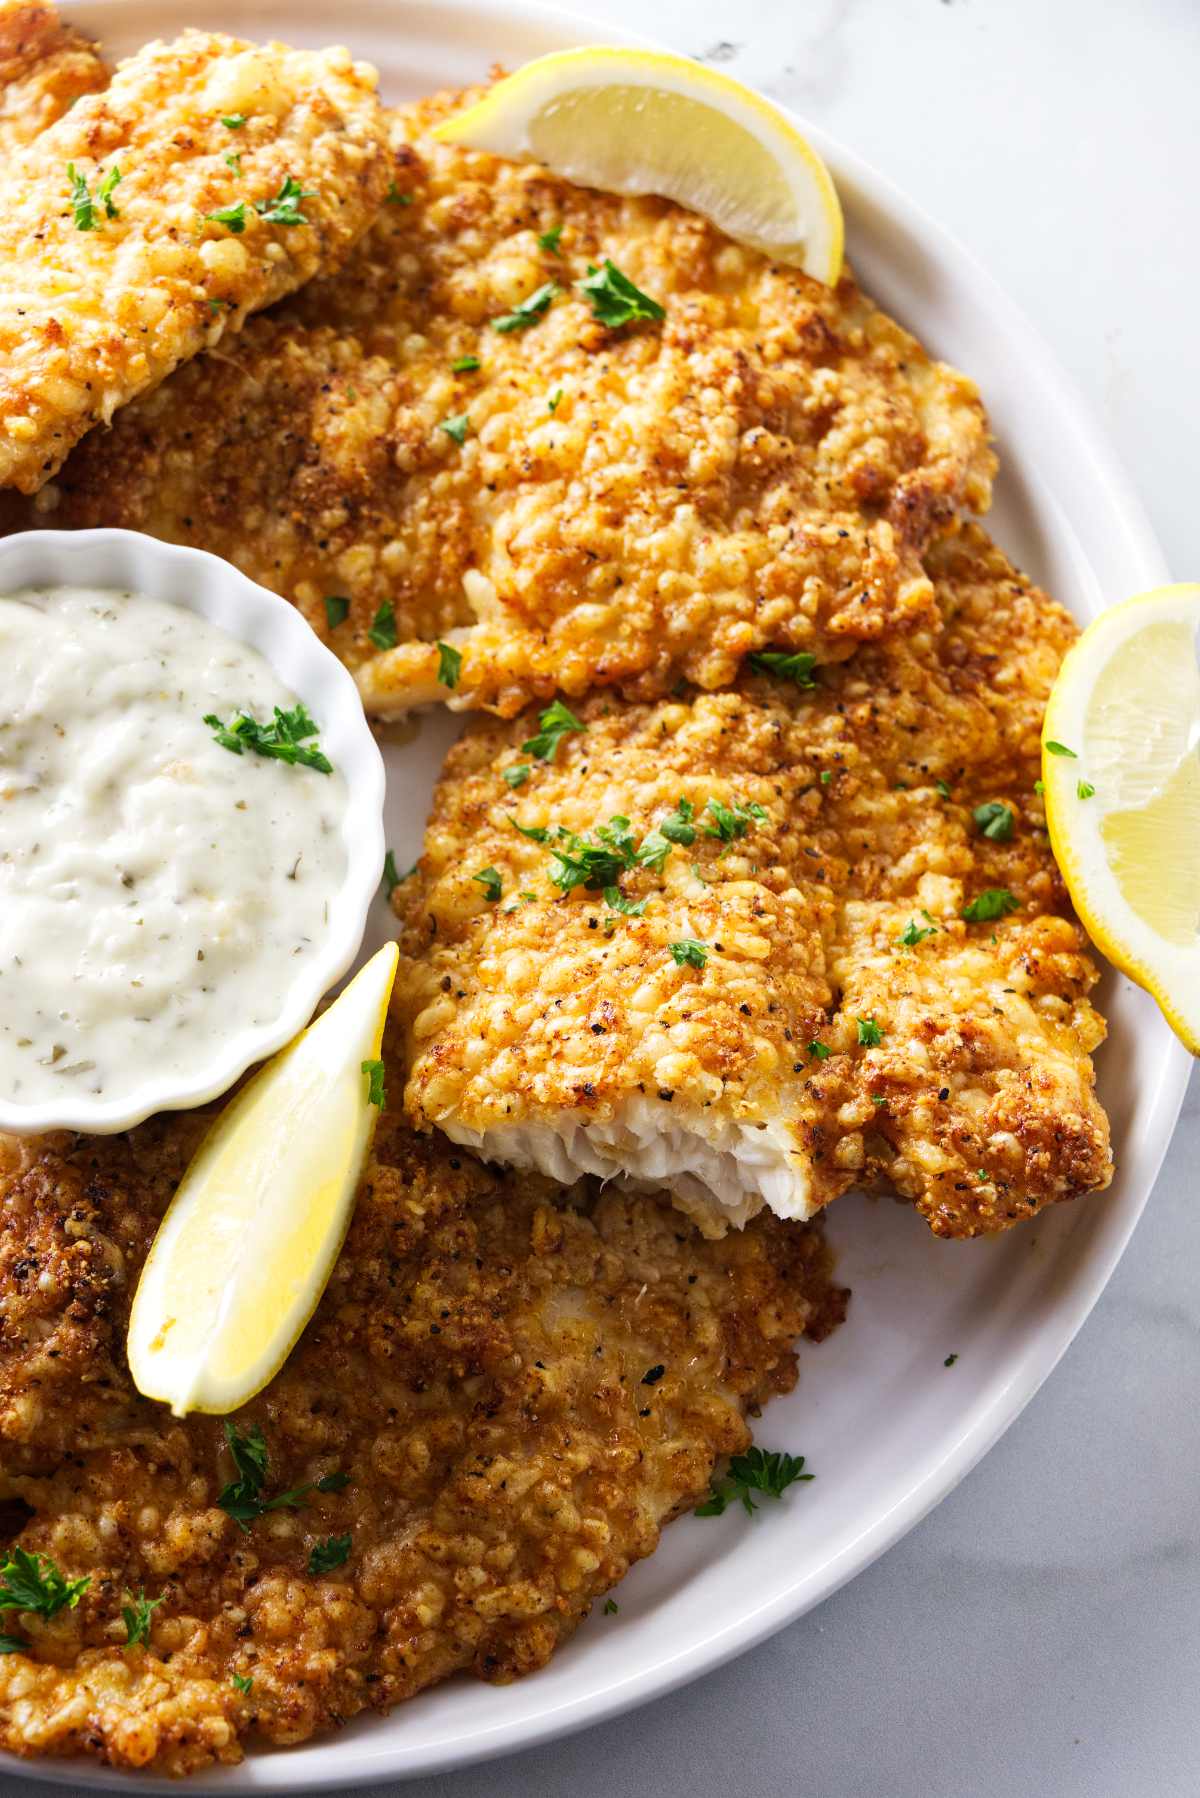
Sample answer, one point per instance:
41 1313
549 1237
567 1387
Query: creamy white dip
157 891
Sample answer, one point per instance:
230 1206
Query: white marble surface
1040 1632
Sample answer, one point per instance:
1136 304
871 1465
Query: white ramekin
127 561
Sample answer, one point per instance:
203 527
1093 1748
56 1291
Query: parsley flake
1084 789
950 1360
34 1583
383 627
456 427
688 953
914 933
242 1498
13 1645
555 723
993 902
337 610
818 1050
86 207
1039 787
516 775
137 1615
552 402
1060 749
869 1033
465 365
732 821
392 879
616 901
614 299
283 208
529 310
394 197
449 664
677 826
243 1683
755 1471
283 740
548 240
233 160
333 1552
233 121
491 883
232 217
796 667
376 1091
942 787
611 1607
995 820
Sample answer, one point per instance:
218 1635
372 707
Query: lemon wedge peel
648 122
1127 703
252 1234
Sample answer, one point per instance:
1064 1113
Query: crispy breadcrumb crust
627 506
977 1103
91 317
45 66
523 1383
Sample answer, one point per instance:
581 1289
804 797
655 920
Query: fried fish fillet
116 263
569 504
522 1384
45 66
763 945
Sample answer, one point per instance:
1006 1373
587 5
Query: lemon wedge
647 122
249 1241
1121 769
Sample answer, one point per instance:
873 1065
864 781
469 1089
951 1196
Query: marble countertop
1040 1632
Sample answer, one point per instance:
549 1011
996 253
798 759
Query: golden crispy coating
478 1367
44 68
92 316
548 1028
626 505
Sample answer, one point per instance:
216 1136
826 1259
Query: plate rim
1037 1358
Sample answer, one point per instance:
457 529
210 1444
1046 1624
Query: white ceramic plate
887 1428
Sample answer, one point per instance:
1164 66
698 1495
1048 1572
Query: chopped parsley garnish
456 427
234 161
516 775
995 820
491 883
1060 749
537 833
943 787
337 610
283 208
615 301
1084 789
34 1583
869 1033
548 240
232 217
376 1091
616 901
677 826
449 664
394 197
528 311
611 1607
233 121
818 1050
283 740
826 776
732 821
391 879
688 953
993 902
13 1645
552 402
137 1614
465 365
914 933
333 1552
950 1360
383 627
796 667
555 723
755 1471
1039 787
84 205
242 1499
243 1683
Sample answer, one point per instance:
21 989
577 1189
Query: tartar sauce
157 891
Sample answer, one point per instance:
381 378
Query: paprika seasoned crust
523 1385
779 996
113 275
569 504
45 66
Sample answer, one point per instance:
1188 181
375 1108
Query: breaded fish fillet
141 227
570 503
765 944
521 1384
45 66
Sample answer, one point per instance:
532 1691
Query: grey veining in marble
1040 1632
